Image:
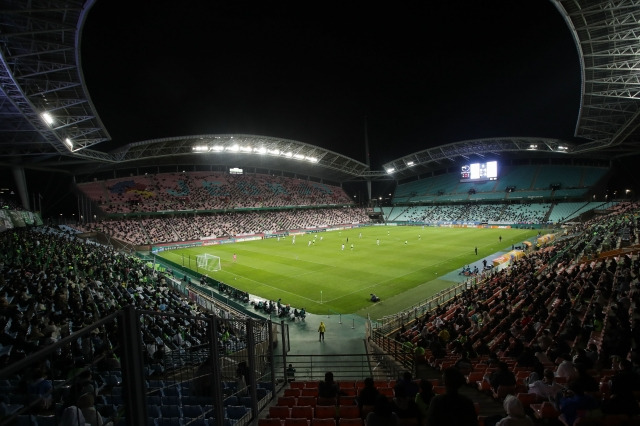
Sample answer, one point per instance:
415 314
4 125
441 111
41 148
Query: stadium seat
278 412
295 392
348 411
325 412
302 412
269 422
350 422
296 385
296 422
307 400
286 401
323 422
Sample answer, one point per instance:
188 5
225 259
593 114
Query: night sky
420 75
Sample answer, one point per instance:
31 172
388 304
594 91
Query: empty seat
269 422
325 412
295 392
286 401
302 412
296 422
170 411
348 411
306 400
192 411
323 422
278 412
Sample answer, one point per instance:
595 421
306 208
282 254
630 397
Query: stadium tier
207 191
120 334
524 182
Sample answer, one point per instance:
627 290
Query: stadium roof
40 72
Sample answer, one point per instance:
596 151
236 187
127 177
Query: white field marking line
347 294
390 279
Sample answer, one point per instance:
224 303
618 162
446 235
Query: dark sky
422 74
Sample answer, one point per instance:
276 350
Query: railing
128 368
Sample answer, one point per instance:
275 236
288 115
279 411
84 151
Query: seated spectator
423 398
501 377
410 387
574 403
405 406
546 388
382 414
367 396
328 390
515 413
452 408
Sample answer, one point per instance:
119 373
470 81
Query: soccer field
324 279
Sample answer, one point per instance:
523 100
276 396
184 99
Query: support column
21 184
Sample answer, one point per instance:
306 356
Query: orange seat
269 422
386 392
347 400
322 422
296 422
502 392
474 376
350 422
527 399
311 385
348 411
299 412
295 392
278 412
325 412
309 392
286 401
327 401
546 410
347 384
306 400
297 385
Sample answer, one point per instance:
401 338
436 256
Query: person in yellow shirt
321 329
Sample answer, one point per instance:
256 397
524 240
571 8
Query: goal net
208 262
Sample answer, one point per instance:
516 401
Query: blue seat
236 412
153 411
191 411
170 411
231 400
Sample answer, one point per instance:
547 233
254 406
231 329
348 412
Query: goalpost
208 262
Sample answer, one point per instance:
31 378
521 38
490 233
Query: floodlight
48 118
533 146
246 149
234 148
261 150
390 170
69 144
410 163
288 154
298 156
218 148
312 159
200 148
273 151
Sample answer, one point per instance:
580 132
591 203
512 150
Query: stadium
192 280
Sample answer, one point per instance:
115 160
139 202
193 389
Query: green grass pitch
324 279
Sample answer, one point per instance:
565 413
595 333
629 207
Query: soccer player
309 244
351 247
378 241
293 240
476 251
360 235
342 247
419 237
406 242
234 257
